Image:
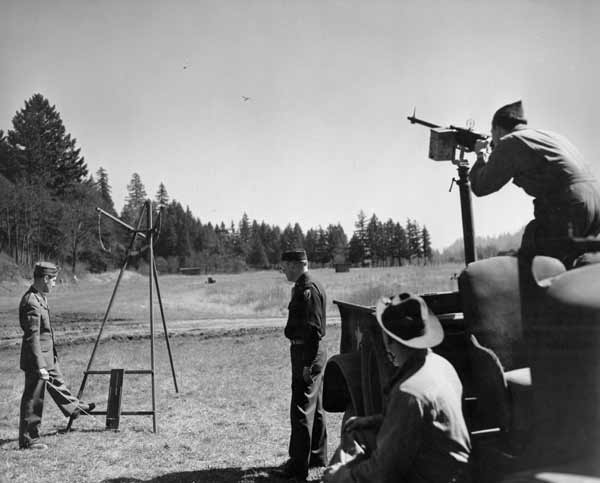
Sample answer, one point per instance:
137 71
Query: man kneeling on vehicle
421 435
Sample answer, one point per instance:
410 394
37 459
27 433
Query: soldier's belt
296 341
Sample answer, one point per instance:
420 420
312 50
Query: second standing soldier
305 328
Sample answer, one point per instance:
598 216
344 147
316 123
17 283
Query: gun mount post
443 146
466 208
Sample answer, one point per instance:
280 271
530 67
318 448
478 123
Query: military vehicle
524 337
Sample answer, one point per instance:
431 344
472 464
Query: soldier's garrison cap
297 255
45 268
511 113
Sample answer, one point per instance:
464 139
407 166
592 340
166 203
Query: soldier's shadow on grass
218 475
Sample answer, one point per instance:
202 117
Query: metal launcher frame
113 412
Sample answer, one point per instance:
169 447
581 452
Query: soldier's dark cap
511 113
407 319
297 255
45 268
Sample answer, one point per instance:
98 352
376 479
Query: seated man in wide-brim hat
421 435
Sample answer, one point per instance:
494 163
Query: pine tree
257 256
375 239
359 247
337 241
413 233
245 229
322 247
401 250
136 197
287 238
426 244
105 191
44 153
298 236
389 249
162 197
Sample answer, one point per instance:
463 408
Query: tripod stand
148 235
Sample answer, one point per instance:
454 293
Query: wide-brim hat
407 319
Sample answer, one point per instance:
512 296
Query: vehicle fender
342 386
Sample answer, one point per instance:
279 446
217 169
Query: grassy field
242 300
228 423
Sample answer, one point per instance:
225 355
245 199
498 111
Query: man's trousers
32 402
308 440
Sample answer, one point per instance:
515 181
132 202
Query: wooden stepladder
113 412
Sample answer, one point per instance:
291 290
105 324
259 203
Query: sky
156 88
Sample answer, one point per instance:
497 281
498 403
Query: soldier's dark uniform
305 328
38 352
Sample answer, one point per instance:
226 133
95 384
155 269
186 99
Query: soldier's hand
481 146
337 472
44 374
356 422
306 375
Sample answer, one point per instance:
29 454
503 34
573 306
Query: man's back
423 436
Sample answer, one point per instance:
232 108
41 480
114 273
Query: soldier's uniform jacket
37 348
306 316
549 168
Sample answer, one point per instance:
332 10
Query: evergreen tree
375 239
271 241
288 241
359 247
356 251
310 244
389 249
401 250
298 236
162 197
337 241
257 256
44 153
136 197
105 190
322 253
426 244
413 233
245 231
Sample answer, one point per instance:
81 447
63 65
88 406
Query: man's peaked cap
45 268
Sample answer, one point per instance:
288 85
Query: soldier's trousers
308 440
32 402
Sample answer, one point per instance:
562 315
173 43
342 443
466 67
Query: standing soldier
548 167
39 360
305 328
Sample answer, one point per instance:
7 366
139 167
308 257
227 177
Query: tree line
48 203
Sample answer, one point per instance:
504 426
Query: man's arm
31 328
398 442
501 166
312 314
